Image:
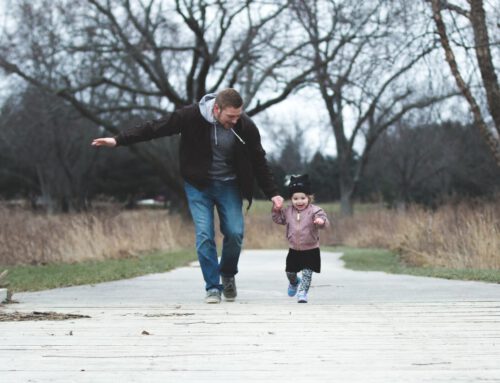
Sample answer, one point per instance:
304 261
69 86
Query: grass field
34 278
389 262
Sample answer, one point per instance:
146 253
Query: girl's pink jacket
301 232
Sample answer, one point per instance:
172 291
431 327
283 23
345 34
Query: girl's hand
277 202
276 209
319 221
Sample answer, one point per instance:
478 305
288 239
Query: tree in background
293 158
40 152
290 157
429 163
364 56
119 60
324 175
469 31
119 176
411 163
54 167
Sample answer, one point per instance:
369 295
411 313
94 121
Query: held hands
319 221
107 141
277 202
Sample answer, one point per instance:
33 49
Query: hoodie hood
206 106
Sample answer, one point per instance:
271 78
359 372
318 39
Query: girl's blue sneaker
292 289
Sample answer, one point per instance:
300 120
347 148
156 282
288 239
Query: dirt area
37 316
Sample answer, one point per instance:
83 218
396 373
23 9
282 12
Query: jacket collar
308 207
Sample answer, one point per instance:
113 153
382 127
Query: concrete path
357 327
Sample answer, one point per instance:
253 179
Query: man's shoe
229 288
213 296
292 289
302 297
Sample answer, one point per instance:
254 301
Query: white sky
307 111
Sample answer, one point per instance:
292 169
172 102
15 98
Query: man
220 157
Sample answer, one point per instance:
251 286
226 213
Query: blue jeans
226 197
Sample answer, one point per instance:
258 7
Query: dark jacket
195 152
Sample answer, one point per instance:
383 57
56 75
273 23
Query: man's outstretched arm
167 125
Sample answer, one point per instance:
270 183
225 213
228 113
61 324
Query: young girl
302 220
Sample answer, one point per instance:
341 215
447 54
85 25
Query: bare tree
364 56
472 19
409 159
428 162
55 161
114 60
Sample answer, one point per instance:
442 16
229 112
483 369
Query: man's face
227 117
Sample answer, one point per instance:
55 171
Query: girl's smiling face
300 201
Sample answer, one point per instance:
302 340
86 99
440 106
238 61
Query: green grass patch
387 261
34 278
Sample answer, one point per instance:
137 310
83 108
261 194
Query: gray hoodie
222 141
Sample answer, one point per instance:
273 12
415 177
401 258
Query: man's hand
108 141
319 221
277 202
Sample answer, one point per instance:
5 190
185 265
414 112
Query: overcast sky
307 111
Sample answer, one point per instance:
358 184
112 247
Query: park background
391 107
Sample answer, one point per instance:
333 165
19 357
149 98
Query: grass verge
387 261
34 278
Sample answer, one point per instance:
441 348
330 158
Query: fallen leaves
37 316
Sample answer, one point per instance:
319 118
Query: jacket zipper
298 230
239 138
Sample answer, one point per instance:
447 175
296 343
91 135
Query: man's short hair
228 97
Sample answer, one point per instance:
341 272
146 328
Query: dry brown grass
368 229
460 236
262 233
27 238
456 236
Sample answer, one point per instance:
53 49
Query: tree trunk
346 181
483 53
346 204
490 139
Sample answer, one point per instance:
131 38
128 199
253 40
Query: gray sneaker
229 291
213 296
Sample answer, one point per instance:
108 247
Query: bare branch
162 84
444 4
375 101
450 58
